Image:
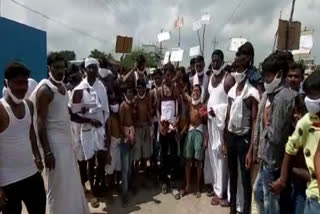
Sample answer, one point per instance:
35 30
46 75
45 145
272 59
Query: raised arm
44 98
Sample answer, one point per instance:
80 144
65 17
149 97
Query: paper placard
176 55
293 37
196 25
166 57
164 36
194 51
235 43
205 19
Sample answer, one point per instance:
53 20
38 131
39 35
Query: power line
59 22
233 12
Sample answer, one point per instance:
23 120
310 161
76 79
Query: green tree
68 55
152 60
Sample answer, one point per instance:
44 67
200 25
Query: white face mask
127 100
8 93
54 79
313 106
200 74
270 87
114 108
239 77
217 72
196 102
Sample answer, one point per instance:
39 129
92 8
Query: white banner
166 57
196 25
205 19
164 36
235 43
306 43
194 51
176 55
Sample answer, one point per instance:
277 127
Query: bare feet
215 200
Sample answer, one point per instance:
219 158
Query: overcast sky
256 20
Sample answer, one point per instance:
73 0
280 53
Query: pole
204 31
215 42
0 8
179 38
289 24
199 40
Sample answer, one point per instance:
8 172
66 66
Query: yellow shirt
306 136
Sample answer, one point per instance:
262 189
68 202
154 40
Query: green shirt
306 136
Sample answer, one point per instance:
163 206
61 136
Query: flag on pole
179 22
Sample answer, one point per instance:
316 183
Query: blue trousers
312 206
126 166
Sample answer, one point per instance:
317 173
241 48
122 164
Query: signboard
176 55
25 44
294 35
164 36
166 57
124 44
205 19
196 25
195 51
306 43
235 43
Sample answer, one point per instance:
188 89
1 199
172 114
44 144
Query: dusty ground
154 202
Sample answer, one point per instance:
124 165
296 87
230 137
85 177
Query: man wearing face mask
114 135
90 101
138 72
243 101
272 132
219 85
306 137
65 193
20 164
203 77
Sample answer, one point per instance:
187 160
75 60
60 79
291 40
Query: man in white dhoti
65 193
90 101
219 84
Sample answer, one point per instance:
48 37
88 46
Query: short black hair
275 62
15 69
312 83
73 69
182 69
199 59
141 59
242 60
168 67
192 61
54 57
197 86
157 71
246 49
295 66
141 83
218 53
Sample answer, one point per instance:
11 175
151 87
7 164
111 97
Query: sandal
95 202
224 203
184 193
215 201
177 195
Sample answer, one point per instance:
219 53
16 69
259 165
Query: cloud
143 19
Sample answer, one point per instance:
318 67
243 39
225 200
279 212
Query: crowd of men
252 137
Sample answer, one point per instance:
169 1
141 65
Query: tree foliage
68 55
101 55
128 61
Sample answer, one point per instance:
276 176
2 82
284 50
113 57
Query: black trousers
169 163
237 149
31 191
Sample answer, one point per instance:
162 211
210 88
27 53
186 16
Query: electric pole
289 24
215 43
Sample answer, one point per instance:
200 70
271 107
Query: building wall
25 44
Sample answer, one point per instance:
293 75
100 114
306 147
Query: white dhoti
115 156
92 140
216 161
65 193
